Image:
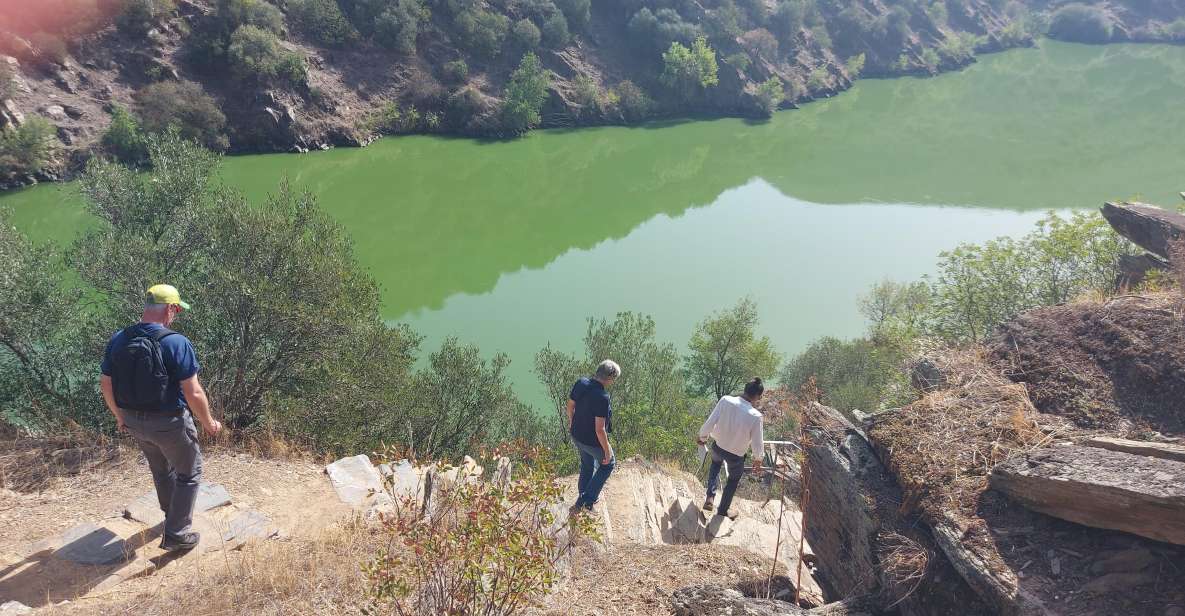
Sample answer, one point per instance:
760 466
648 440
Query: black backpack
139 375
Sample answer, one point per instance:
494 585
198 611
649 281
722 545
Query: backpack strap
160 335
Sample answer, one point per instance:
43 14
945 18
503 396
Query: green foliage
123 138
399 24
739 60
959 47
525 35
140 16
931 59
895 309
725 351
27 148
819 79
588 94
770 94
1174 30
788 19
42 358
576 12
555 31
979 286
635 104
690 69
762 42
851 374
255 54
821 36
482 31
482 548
323 21
525 94
902 63
724 22
854 66
1081 23
207 46
456 71
937 13
656 30
185 107
390 119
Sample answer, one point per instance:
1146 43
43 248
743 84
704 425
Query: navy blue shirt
176 350
592 401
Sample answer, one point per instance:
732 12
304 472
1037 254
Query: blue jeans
593 474
736 467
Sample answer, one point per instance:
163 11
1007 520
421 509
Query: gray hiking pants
169 441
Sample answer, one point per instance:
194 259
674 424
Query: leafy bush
819 79
323 21
930 58
851 374
27 148
635 104
689 69
483 548
525 94
456 71
182 106
140 16
769 95
937 13
231 14
576 12
482 31
761 41
525 35
788 19
255 54
555 31
398 26
739 61
1081 23
821 36
724 22
390 119
726 352
658 29
854 66
959 47
587 94
123 138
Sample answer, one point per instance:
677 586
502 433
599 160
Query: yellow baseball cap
164 294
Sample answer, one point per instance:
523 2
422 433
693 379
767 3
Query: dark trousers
169 441
593 474
736 467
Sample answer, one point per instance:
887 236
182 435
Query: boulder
355 480
14 608
1147 226
1100 488
926 376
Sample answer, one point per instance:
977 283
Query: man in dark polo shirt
590 417
150 384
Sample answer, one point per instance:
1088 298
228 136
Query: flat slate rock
354 479
1167 451
91 544
146 510
249 524
1100 488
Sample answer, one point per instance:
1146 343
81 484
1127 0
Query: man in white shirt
736 427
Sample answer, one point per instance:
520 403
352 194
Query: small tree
525 34
525 94
456 71
576 11
891 305
690 69
323 21
398 26
482 31
123 138
185 107
725 351
769 95
255 54
634 103
854 66
1081 23
27 148
140 16
762 42
555 31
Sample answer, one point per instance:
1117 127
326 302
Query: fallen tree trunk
1147 226
1165 451
1100 488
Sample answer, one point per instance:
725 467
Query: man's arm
758 444
571 411
109 397
713 419
603 439
195 396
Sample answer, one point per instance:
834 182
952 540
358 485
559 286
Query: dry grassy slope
107 69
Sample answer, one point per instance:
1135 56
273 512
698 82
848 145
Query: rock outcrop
1100 488
714 600
1152 228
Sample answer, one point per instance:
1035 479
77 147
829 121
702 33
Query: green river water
511 245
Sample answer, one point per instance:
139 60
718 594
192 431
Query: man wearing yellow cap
150 384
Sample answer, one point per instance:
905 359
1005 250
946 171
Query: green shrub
725 351
739 60
525 35
819 79
959 47
635 104
576 12
761 41
525 94
658 29
854 66
851 374
323 21
587 94
398 26
140 16
254 54
821 36
931 59
1081 23
555 31
482 31
937 13
724 22
182 106
788 19
27 148
390 119
1175 31
690 69
456 71
770 95
123 139
231 14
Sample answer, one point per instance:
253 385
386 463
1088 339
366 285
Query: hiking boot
182 542
708 505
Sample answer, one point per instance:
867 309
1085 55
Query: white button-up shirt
735 425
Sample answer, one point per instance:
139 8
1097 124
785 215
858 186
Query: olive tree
725 351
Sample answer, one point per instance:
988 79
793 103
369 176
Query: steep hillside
294 75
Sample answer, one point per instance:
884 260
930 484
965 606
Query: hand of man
212 428
757 466
119 425
700 441
608 455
